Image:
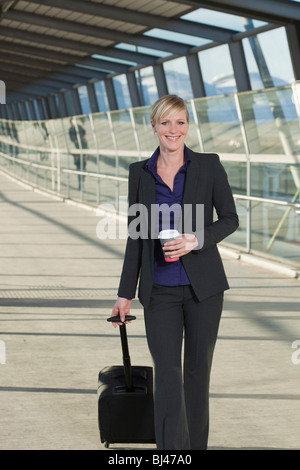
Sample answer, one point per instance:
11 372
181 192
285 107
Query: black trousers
181 395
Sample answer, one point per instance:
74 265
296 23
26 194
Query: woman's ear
153 127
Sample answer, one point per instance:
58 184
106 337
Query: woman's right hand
122 308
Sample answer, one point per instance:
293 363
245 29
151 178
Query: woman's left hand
181 246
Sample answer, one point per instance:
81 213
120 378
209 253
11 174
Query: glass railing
256 134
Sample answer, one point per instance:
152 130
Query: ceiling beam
53 83
5 5
11 77
55 59
10 97
104 33
54 41
44 86
147 20
132 56
17 96
20 70
47 54
70 75
82 74
273 11
37 90
19 59
55 80
108 65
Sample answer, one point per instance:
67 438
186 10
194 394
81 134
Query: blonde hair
168 105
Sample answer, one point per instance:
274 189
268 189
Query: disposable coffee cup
166 236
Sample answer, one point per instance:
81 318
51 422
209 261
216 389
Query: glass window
217 71
146 138
270 121
61 104
36 109
219 19
84 100
69 103
28 111
146 85
177 37
113 59
219 124
122 92
101 96
253 71
268 71
143 50
178 79
125 141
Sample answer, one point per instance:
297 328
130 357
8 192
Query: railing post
97 156
248 171
198 130
117 159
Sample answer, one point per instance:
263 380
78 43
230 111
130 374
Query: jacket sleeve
132 259
223 203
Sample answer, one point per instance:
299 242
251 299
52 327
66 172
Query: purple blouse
168 273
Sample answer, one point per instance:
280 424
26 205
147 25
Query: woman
183 296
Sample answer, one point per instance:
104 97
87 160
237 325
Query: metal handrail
64 170
95 175
265 200
124 179
74 151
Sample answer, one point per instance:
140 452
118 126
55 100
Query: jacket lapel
147 185
192 181
190 196
147 188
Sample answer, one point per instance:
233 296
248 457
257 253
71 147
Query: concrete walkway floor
58 284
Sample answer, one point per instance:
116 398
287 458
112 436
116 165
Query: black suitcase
125 400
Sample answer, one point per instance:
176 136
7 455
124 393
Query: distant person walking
77 135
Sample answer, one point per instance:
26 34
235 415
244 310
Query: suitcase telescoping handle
125 350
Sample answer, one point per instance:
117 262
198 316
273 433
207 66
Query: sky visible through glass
273 44
215 62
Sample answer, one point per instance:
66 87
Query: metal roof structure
51 45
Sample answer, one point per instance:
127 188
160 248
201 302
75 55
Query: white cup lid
171 233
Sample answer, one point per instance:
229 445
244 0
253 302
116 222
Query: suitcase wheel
106 444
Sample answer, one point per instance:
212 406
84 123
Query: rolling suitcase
125 400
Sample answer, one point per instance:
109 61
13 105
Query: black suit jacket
206 183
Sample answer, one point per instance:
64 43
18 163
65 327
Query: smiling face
172 130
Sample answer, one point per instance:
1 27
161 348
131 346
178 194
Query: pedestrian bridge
58 286
59 279
256 134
